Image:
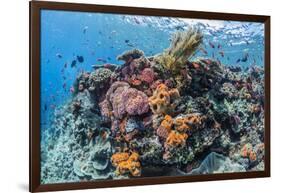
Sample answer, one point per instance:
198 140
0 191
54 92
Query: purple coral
135 101
147 75
125 100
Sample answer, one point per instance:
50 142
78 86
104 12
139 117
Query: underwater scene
128 96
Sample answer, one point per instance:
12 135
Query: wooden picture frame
34 100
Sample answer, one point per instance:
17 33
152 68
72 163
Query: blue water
99 38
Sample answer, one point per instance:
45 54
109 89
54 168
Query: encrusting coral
126 164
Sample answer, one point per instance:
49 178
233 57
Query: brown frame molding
34 94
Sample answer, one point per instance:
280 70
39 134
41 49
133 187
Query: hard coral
162 99
130 55
176 139
99 79
126 163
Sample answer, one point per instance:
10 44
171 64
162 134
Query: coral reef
170 113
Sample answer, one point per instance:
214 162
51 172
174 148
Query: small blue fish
73 63
245 58
59 55
80 59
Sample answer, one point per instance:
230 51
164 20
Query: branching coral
162 100
184 44
126 164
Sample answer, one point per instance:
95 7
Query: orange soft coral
160 101
183 124
167 123
126 163
165 127
176 139
118 158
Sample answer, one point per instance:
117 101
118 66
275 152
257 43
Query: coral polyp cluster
170 113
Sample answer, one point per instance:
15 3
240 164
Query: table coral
162 100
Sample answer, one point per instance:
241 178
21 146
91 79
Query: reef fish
203 51
221 53
211 44
80 59
85 29
101 60
59 55
245 57
73 64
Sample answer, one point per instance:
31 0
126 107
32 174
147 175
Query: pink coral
135 101
147 75
125 100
